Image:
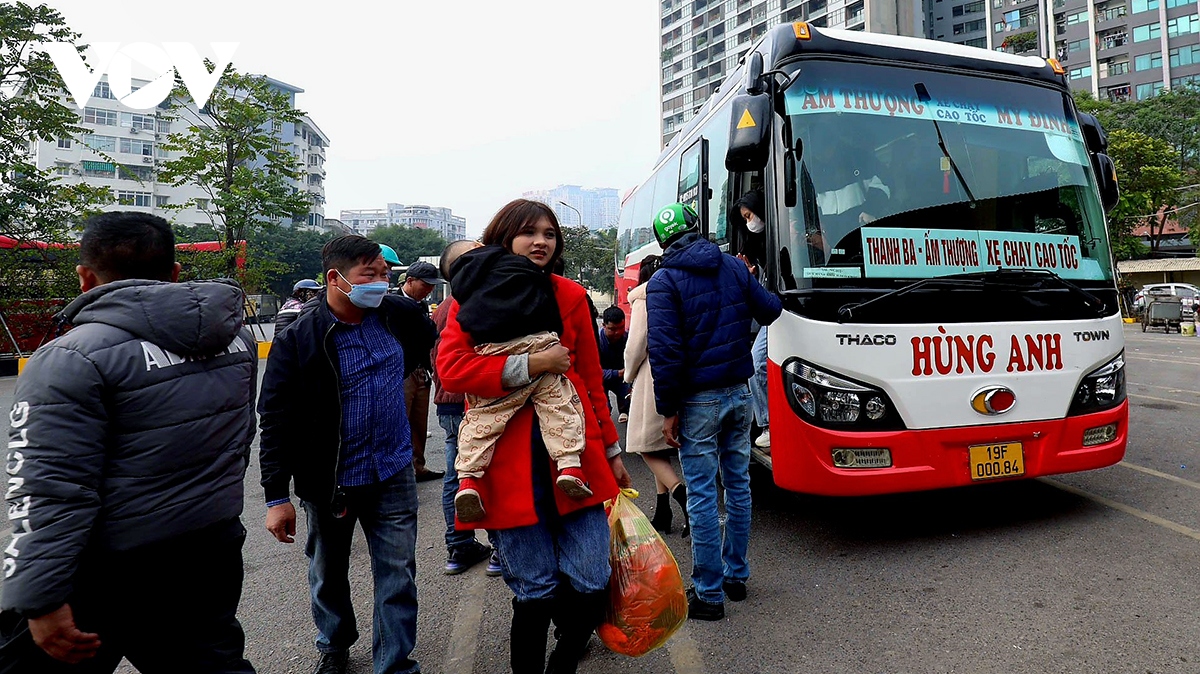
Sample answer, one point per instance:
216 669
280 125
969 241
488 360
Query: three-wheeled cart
1163 311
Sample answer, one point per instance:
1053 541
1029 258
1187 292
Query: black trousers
621 390
169 608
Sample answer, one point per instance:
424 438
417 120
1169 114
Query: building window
202 204
1183 25
977 42
1144 5
1185 81
972 26
98 169
958 28
127 198
98 116
1077 45
133 146
1185 56
102 91
1078 17
100 143
1171 4
1148 32
136 121
1148 61
1080 73
129 172
62 169
64 143
164 126
1150 90
161 201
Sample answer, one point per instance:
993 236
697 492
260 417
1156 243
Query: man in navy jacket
700 304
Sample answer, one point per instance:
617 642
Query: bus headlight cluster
1101 389
830 400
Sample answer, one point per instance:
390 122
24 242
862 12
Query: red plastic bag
647 603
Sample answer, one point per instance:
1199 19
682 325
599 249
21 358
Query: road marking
1155 473
1164 360
464 640
684 655
1165 400
1130 510
1172 389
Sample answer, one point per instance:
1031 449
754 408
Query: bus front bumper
802 454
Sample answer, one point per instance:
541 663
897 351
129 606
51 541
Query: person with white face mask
333 423
753 253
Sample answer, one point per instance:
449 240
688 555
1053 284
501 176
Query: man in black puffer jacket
129 442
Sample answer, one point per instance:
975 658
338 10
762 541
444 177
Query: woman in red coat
553 549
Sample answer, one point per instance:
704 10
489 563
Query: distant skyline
466 106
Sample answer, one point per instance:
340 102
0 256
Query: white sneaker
763 440
622 418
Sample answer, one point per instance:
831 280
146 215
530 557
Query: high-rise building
441 220
595 207
122 149
1119 50
703 40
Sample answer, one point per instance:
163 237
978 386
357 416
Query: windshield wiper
1044 275
955 281
923 95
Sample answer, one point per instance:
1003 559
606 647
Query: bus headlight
833 401
1101 389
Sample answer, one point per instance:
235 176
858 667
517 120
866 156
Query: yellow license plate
1001 459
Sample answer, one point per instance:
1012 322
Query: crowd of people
131 434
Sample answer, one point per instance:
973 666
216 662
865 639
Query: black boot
527 637
576 616
679 493
662 513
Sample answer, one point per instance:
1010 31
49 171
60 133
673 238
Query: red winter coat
507 487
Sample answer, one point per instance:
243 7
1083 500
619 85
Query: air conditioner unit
147 160
133 130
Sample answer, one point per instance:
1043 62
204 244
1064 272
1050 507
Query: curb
264 348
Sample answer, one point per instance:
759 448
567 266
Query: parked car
1188 294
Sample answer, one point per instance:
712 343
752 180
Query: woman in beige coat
644 433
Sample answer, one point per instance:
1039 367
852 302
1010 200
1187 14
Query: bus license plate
1003 459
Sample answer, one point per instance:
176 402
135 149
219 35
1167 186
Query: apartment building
1119 50
703 40
122 149
595 207
442 220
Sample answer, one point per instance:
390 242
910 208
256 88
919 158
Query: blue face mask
365 295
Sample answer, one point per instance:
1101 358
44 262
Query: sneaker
465 556
427 475
332 663
763 440
734 589
570 480
623 418
468 506
698 609
494 569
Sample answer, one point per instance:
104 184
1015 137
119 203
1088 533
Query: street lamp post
577 213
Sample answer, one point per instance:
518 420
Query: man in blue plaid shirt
332 422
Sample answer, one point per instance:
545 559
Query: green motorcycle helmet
674 221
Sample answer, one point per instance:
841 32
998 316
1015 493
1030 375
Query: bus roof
780 44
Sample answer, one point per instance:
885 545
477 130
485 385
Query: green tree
588 256
1173 117
297 251
35 205
410 243
1149 178
233 153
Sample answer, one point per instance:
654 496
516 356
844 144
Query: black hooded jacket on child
502 296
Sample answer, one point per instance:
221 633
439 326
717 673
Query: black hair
650 264
752 200
614 315
344 252
128 245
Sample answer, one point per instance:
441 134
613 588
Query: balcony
1112 41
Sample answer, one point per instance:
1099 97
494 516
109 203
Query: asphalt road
1091 572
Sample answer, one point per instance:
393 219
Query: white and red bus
936 230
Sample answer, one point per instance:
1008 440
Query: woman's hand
556 359
619 472
749 265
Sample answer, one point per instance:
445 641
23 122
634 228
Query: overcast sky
460 104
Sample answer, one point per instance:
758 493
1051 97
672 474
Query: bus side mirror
1106 175
1094 135
749 133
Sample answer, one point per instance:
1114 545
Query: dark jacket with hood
700 304
131 429
300 407
502 296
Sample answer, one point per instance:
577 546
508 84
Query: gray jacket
132 428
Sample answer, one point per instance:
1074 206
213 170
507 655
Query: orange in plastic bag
647 603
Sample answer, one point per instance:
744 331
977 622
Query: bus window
716 131
693 180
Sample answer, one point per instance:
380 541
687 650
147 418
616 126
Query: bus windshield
909 174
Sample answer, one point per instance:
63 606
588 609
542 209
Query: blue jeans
454 539
388 513
572 547
758 383
714 428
